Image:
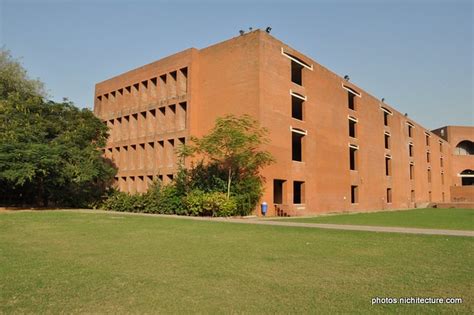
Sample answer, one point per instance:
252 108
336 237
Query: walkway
347 227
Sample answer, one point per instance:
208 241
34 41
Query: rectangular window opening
412 171
354 194
278 190
388 166
389 195
353 158
351 100
387 141
385 118
298 192
296 107
297 146
296 73
352 128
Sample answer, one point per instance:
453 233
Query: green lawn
451 219
69 262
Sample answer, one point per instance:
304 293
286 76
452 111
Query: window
389 195
297 107
388 166
428 157
412 195
386 113
429 175
354 194
298 192
278 191
412 171
429 196
427 138
297 144
410 149
410 130
352 127
441 146
441 162
442 178
387 140
353 157
296 73
351 100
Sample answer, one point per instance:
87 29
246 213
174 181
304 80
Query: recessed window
441 161
387 140
410 130
296 73
351 101
354 194
429 196
389 195
441 146
427 139
352 127
442 178
410 149
429 175
386 114
428 157
353 158
297 145
278 191
296 107
298 192
388 166
412 195
412 171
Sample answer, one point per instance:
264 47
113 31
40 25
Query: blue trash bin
264 208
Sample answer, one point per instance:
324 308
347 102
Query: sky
416 54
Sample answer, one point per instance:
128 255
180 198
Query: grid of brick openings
147 121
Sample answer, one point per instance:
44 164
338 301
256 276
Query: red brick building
337 147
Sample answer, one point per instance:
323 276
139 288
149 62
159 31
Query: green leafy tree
234 148
49 151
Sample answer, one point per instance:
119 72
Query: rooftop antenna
346 77
268 29
242 32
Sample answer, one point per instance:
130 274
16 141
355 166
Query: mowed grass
70 262
451 219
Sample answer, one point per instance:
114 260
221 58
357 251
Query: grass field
451 219
70 262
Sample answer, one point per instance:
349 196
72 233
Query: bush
215 204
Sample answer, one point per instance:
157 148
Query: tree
14 78
234 146
49 151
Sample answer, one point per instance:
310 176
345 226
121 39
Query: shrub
216 204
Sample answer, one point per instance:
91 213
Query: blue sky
417 54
